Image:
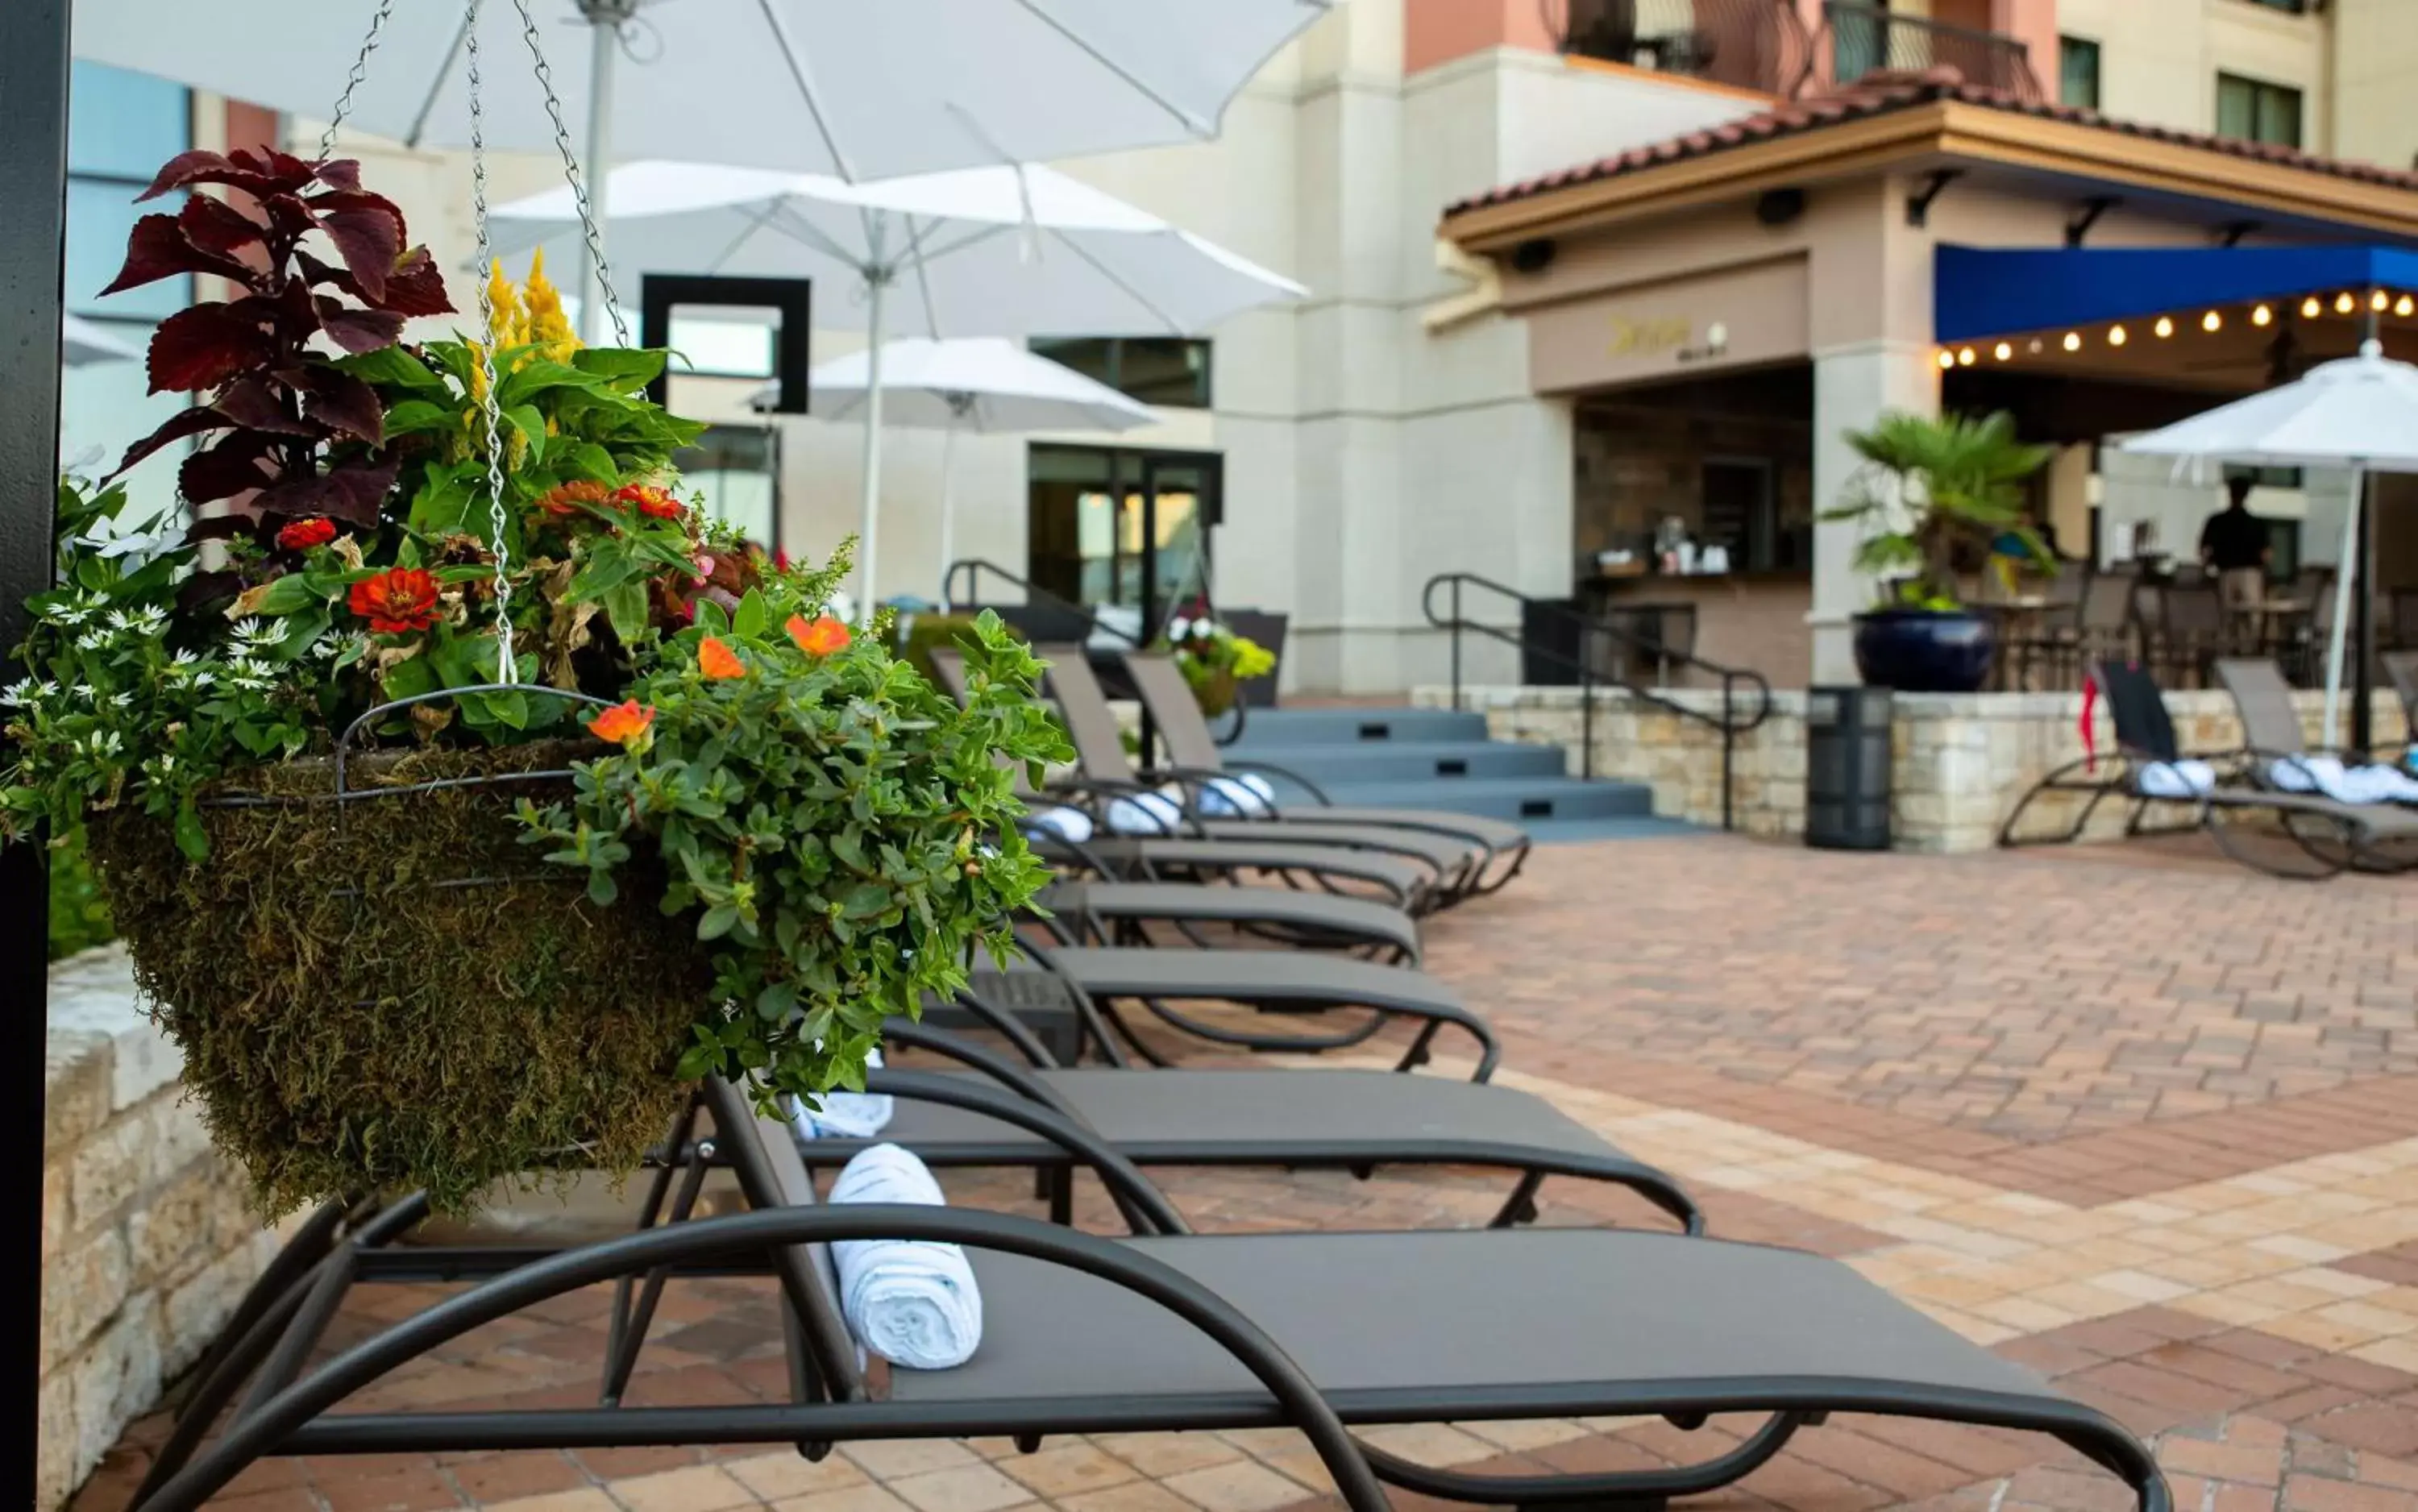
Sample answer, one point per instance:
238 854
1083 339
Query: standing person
2234 548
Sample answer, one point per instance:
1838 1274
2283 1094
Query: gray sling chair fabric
1112 913
2299 836
1194 759
1099 750
1192 857
1170 1331
1315 1117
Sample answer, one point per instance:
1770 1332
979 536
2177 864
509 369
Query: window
737 470
2298 7
2252 110
2077 72
122 127
1166 372
2263 477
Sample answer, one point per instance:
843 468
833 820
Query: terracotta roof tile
1879 94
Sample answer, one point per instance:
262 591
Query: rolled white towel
1071 825
2177 779
2345 785
913 1303
845 1115
1245 796
1147 814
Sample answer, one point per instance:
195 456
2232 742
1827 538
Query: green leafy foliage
842 834
1933 490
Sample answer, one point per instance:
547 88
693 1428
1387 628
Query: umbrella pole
2349 568
948 502
876 284
604 40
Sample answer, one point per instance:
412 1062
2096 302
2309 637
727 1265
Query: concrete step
1519 798
1272 728
1409 761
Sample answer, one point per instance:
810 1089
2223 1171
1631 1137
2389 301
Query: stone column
1853 384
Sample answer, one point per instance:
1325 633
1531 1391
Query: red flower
719 662
820 639
625 724
397 601
650 500
302 535
564 502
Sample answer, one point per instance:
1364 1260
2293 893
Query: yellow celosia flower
507 326
548 325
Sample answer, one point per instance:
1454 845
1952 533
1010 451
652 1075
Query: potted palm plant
1935 494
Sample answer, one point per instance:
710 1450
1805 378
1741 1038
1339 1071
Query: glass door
1179 502
1122 531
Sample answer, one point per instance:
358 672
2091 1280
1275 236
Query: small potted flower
463 793
1214 661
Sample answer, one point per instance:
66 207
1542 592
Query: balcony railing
1861 39
1749 44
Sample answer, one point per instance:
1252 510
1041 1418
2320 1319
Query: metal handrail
1912 43
1728 721
974 566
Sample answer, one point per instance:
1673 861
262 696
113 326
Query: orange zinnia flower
397 601
625 724
820 639
563 502
651 501
719 662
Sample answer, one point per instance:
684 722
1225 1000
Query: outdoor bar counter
1753 620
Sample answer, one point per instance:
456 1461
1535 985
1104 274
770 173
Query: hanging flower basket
1214 661
464 793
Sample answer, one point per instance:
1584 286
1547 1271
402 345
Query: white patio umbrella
984 386
83 344
2360 412
981 251
860 88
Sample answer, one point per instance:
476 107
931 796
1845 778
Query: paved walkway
2139 1120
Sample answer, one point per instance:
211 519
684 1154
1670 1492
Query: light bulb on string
2211 321
2262 317
1965 358
2115 335
2405 306
1947 358
2164 328
2072 341
2311 308
2002 351
2378 301
2344 303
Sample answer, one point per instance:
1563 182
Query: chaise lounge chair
2299 836
1168 1330
1195 762
1108 774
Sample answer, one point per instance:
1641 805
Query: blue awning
1990 291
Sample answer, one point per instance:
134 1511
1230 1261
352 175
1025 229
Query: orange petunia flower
820 639
400 600
719 662
302 535
651 501
564 502
625 724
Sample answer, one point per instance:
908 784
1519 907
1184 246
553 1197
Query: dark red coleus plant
294 435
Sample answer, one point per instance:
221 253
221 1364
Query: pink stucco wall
1439 31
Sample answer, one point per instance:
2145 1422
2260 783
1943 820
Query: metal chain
490 405
353 80
573 176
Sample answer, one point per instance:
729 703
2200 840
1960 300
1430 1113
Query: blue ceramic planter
1924 650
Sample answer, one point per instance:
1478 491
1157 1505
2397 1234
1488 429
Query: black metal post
33 186
1586 721
1729 747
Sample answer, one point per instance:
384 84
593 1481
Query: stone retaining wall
147 1238
1961 761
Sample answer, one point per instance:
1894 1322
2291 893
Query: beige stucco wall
2159 59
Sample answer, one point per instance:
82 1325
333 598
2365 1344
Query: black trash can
1847 769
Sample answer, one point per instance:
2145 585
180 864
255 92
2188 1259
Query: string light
2262 317
2115 335
1965 358
2164 328
2404 305
2211 321
1947 358
2035 346
2073 340
2002 351
2310 307
2378 301
2344 303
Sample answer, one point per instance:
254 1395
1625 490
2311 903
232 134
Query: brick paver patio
2142 1121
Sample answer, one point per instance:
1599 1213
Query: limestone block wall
1960 762
147 1238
